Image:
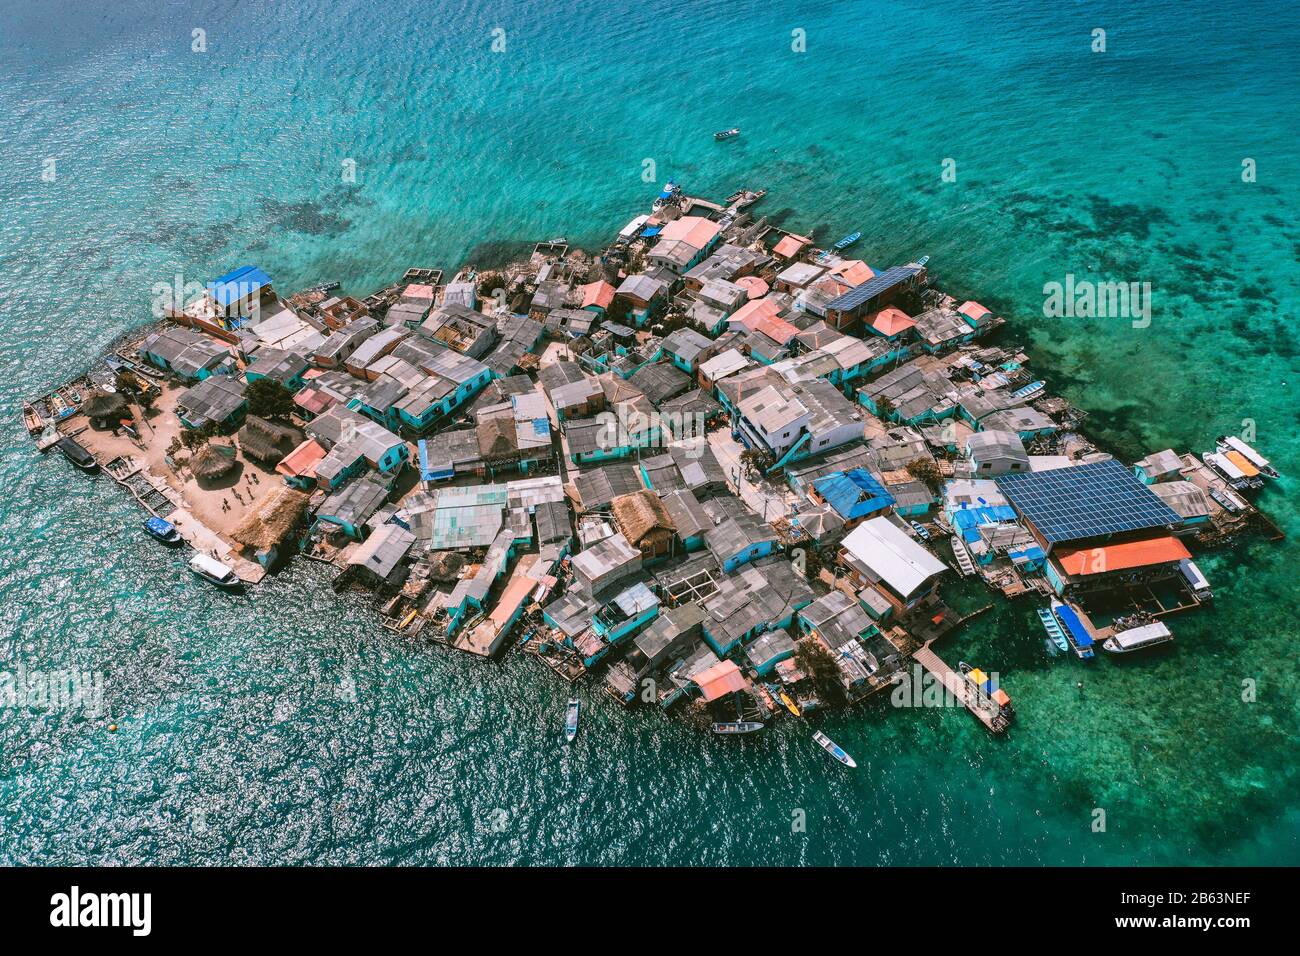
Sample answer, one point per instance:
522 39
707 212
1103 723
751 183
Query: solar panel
872 287
1086 501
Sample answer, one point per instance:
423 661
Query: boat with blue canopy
834 749
1074 630
163 531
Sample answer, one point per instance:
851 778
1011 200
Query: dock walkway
984 709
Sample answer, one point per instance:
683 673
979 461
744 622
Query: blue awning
1065 614
238 284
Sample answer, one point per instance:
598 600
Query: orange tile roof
599 293
891 321
1121 557
693 230
749 313
778 330
302 461
854 272
789 246
973 309
754 287
720 680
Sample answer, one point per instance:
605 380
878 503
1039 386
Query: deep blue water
283 727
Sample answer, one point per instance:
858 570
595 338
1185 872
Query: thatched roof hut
644 521
267 525
104 406
267 442
212 461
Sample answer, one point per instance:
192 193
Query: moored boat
1029 391
1053 629
737 726
847 241
32 419
163 531
666 196
1232 471
789 703
1196 581
1229 444
834 749
1074 629
727 133
78 455
214 572
571 720
1138 639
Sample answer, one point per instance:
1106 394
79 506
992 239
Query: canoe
834 749
737 727
790 705
571 721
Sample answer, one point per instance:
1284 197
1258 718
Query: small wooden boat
1053 629
789 703
32 419
834 749
571 720
847 241
920 529
727 133
737 726
163 531
59 409
214 572
1029 391
1137 639
78 455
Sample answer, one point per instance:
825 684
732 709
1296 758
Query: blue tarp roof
651 232
1065 614
853 493
233 286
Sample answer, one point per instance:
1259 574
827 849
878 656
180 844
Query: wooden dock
963 690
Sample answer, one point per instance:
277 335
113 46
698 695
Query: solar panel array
1085 501
872 287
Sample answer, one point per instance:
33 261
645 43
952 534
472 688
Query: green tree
819 664
267 398
926 470
125 382
756 462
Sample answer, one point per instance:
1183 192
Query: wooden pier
963 690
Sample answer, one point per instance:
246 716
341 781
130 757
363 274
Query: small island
716 467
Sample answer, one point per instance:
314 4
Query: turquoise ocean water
287 727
